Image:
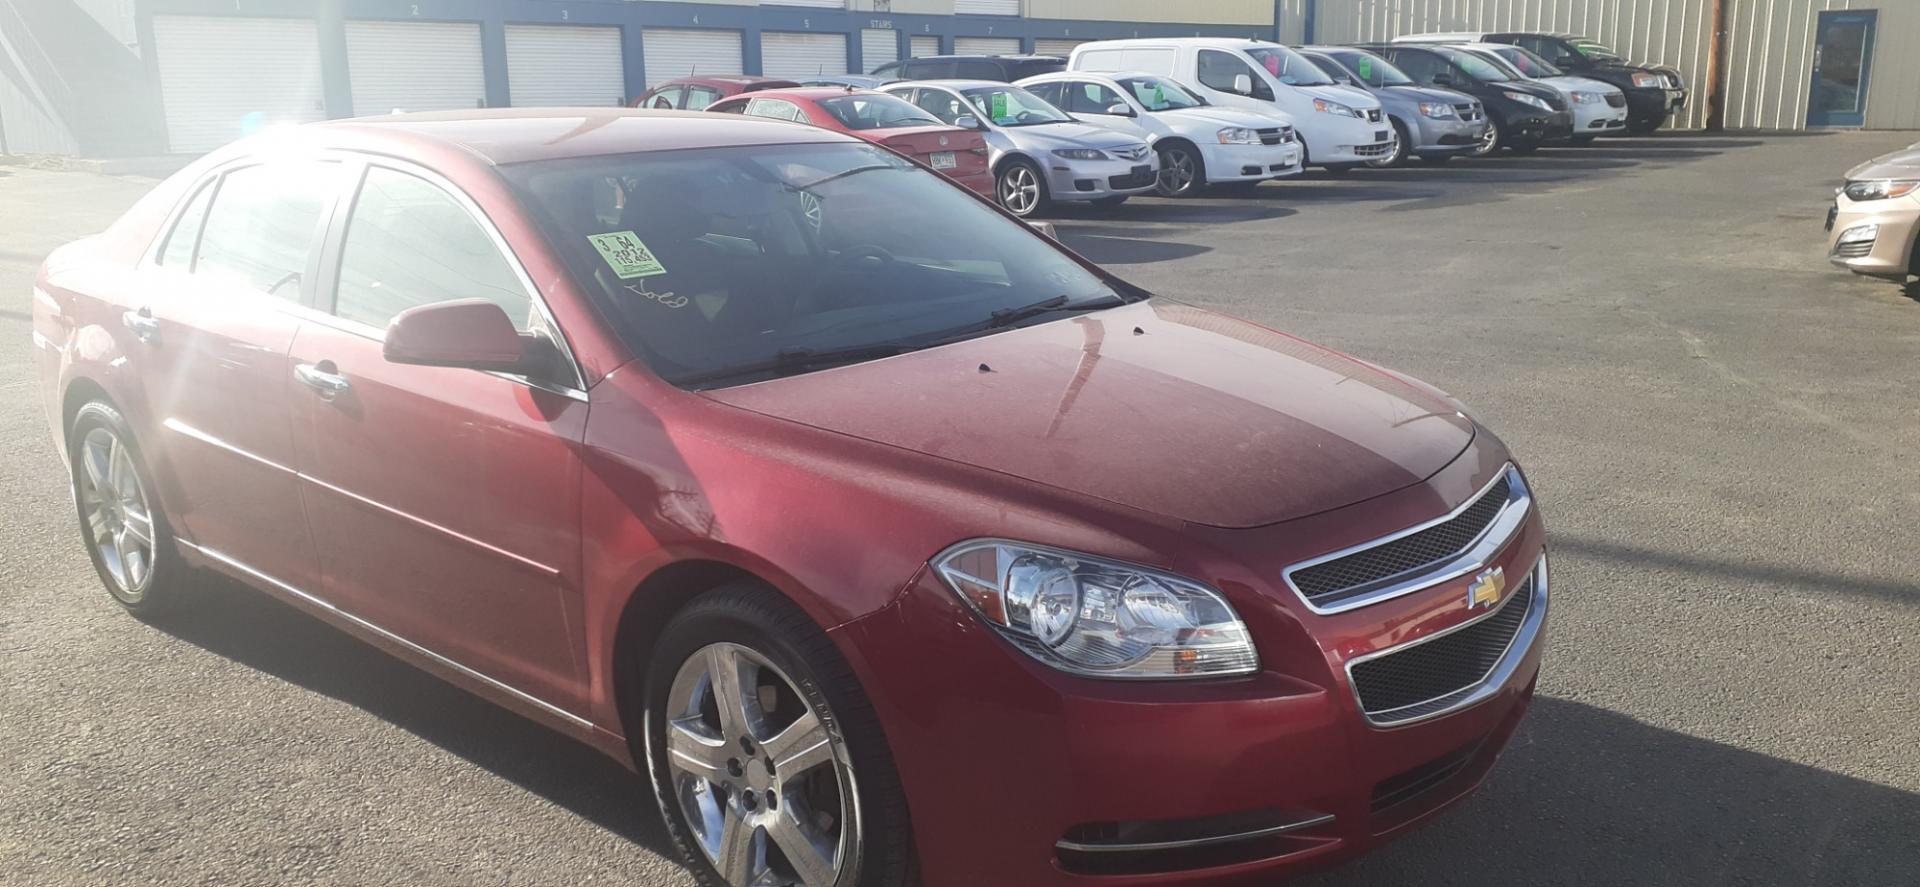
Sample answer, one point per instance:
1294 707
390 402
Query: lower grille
1856 250
1433 675
1131 180
1616 100
1412 784
1374 150
1167 846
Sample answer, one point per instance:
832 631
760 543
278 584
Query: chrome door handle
321 377
141 321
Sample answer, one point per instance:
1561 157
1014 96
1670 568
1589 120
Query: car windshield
1013 106
875 111
1159 93
1476 65
1494 58
730 265
1289 67
1374 70
1599 52
1527 63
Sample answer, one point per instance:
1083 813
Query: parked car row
1180 115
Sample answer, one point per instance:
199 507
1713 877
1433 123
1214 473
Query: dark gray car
1433 124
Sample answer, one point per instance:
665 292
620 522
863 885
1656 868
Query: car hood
1211 116
1157 406
1068 135
1357 99
1426 94
1901 164
1584 84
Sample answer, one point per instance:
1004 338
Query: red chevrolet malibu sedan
959 154
888 537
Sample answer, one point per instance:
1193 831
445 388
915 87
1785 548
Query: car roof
949 84
1328 49
1012 57
514 135
1446 37
1234 42
808 93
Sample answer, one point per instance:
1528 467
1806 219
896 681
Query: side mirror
1344 80
1443 79
472 334
967 121
1243 84
1119 110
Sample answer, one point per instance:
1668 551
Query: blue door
1842 58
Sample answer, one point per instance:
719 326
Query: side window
778 109
666 98
178 253
410 243
1218 70
699 97
1419 66
1091 98
941 104
728 108
1052 92
263 224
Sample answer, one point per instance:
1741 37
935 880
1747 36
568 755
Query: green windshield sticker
626 255
1159 94
997 107
1366 68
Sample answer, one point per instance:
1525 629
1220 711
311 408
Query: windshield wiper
788 361
1007 316
841 175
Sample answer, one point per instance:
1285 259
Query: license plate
1143 170
1382 135
944 160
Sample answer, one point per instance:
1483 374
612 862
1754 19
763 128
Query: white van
1341 127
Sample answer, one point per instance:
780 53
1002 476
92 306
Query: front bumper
1890 252
1540 126
999 751
1598 118
1652 104
1096 179
1347 140
1250 163
1436 137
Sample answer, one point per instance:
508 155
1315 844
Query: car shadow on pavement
1588 796
262 633
1110 250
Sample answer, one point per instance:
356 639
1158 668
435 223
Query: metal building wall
1770 45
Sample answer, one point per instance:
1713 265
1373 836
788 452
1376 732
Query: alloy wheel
764 786
1019 190
1177 173
113 503
1488 143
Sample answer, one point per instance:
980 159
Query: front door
213 349
1842 59
444 502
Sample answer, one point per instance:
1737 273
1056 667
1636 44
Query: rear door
444 501
233 278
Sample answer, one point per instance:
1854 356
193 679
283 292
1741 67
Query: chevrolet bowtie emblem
1486 589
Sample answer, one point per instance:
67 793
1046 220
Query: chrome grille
1130 153
1278 136
1469 111
1434 675
1346 577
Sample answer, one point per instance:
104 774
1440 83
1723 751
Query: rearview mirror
1119 110
1243 84
472 334
967 121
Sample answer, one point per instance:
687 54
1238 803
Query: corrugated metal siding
27 124
562 65
1770 44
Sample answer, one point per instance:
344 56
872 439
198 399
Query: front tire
1021 189
1183 172
1402 146
767 761
126 533
1489 143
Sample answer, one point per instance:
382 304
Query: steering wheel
865 257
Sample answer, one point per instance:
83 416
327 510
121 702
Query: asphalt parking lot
1720 428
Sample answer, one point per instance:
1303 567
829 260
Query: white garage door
415 66
817 4
800 56
987 7
220 75
986 45
682 52
921 47
564 66
877 47
1061 48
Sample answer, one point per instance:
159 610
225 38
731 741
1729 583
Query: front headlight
1649 81
1527 98
1438 110
1239 136
1095 617
1334 108
1585 98
1081 154
1880 189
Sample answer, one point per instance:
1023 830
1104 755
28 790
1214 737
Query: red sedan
696 93
881 533
960 154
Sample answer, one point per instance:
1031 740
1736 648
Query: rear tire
125 530
788 780
1021 188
